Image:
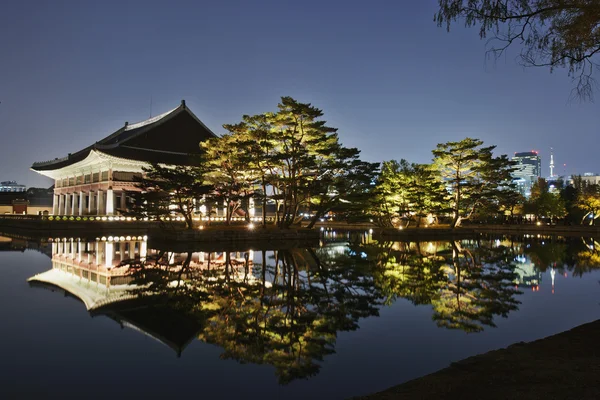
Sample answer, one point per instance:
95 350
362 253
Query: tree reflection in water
285 313
287 310
467 283
575 255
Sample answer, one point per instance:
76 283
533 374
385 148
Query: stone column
100 203
132 249
108 254
68 204
110 202
123 202
81 202
61 201
55 204
98 253
80 250
74 207
65 210
143 250
91 205
60 205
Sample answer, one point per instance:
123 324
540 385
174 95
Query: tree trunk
264 205
314 220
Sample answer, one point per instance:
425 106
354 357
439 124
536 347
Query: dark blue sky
395 84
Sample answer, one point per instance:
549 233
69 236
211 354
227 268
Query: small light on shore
251 226
201 227
400 228
539 223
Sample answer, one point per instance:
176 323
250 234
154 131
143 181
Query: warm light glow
127 238
250 226
539 223
110 238
201 227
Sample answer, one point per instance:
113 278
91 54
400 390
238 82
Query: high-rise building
529 169
11 186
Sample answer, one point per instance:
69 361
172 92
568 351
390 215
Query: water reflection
285 307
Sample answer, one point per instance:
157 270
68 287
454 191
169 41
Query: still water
121 316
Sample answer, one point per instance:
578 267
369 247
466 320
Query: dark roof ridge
126 133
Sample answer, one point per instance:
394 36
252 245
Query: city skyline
393 82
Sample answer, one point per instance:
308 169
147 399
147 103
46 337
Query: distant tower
551 163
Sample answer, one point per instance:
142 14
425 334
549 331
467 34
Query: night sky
395 84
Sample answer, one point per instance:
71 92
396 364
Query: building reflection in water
286 306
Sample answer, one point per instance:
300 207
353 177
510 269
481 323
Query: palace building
95 180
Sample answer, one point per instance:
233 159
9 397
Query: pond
105 316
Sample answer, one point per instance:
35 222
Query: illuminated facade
96 180
528 170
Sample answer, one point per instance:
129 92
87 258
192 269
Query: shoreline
562 366
220 232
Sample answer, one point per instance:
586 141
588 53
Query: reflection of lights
322 229
370 230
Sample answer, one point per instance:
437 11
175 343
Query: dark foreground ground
563 366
